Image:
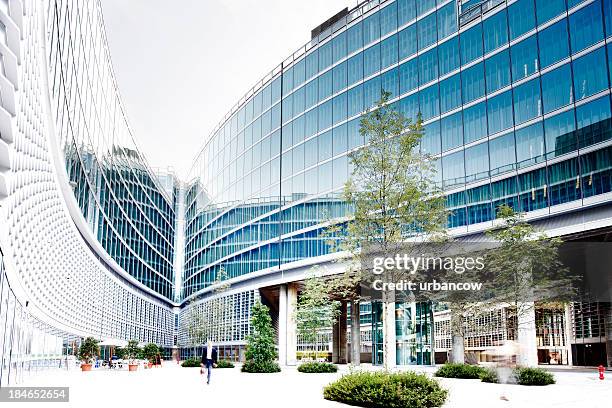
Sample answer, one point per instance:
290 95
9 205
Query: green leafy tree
395 201
89 350
132 351
526 268
315 311
150 351
261 352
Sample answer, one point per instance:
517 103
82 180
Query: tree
89 350
150 351
522 268
132 351
261 352
315 311
394 197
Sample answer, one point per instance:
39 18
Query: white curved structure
55 274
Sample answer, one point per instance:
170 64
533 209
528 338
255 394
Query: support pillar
608 323
339 336
569 323
355 333
287 338
528 353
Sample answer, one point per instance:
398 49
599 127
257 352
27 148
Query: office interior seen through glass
515 98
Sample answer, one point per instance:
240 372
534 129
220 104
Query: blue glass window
475 122
430 143
371 60
607 9
471 44
310 123
409 106
325 146
340 107
407 41
554 43
547 9
388 18
527 101
427 31
560 134
339 75
429 102
529 145
428 66
355 100
425 5
371 28
311 90
557 88
479 208
590 74
452 131
406 11
593 120
563 182
388 51
409 75
340 139
450 93
372 92
532 190
355 68
298 101
503 155
524 58
495 29
473 82
299 73
325 55
326 85
312 64
596 169
586 26
354 38
448 53
390 82
453 170
521 18
499 109
447 20
287 83
503 192
339 46
477 162
497 68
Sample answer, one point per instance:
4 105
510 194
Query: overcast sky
181 65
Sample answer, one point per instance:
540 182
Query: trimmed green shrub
316 367
489 375
191 362
89 350
255 366
381 389
225 364
454 370
533 376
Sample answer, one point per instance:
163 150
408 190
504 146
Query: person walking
209 359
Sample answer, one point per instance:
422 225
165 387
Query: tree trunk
355 334
528 349
457 337
388 310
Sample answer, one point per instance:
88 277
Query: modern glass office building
515 98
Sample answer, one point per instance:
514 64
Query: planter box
85 367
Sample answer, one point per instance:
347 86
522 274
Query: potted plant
87 352
131 352
150 351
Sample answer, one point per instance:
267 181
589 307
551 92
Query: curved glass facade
130 214
516 102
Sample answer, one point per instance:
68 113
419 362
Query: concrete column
292 294
389 335
282 325
528 353
339 336
355 333
608 323
569 324
287 336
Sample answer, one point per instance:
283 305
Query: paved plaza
176 386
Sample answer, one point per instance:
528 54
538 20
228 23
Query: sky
182 65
